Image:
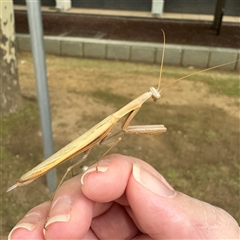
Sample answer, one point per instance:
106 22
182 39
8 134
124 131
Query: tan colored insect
100 133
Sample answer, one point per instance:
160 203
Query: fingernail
102 166
29 223
151 182
60 211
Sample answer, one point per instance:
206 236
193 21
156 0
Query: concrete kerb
178 55
220 56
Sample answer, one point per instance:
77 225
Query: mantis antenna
161 66
191 74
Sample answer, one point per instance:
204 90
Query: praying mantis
101 132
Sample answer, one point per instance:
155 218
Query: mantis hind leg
85 155
105 140
113 140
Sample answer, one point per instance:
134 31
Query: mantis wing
77 146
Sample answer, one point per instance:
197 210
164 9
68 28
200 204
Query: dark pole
36 33
218 15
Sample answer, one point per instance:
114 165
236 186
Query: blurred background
100 56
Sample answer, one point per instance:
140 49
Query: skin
125 199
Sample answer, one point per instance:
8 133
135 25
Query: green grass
198 155
19 149
110 98
219 81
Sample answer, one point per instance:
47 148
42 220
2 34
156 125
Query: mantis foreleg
141 129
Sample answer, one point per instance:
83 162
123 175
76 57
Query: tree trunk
10 92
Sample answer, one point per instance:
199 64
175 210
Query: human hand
125 199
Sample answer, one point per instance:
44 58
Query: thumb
163 213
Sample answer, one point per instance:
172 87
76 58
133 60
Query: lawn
198 155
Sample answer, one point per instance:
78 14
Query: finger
70 214
31 226
115 223
90 235
109 181
163 213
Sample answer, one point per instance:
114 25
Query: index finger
108 182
